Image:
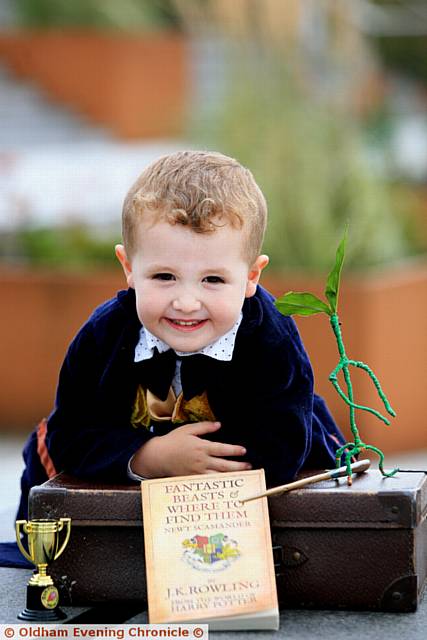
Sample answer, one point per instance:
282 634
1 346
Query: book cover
208 556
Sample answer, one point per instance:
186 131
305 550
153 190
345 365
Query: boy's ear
126 264
254 275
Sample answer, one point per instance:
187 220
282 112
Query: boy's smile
190 287
186 325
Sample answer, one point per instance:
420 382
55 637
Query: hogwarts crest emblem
210 553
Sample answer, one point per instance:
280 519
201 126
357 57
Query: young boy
192 369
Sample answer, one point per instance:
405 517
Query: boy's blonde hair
199 189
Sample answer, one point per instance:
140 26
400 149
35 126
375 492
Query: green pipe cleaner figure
307 304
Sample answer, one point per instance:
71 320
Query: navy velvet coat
263 397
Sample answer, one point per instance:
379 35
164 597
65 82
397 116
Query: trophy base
48 615
42 604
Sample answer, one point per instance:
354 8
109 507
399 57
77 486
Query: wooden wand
331 474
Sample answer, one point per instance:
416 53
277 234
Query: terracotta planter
384 324
41 312
135 85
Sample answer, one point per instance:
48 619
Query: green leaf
302 304
333 282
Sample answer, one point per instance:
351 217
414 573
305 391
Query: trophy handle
63 522
24 552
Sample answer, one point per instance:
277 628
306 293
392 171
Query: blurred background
324 100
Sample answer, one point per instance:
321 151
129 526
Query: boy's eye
213 279
163 276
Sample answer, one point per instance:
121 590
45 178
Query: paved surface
294 624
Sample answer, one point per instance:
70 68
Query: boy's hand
182 452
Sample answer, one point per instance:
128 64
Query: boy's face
190 287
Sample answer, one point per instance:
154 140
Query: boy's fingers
219 464
199 428
219 449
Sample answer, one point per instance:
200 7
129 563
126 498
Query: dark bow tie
197 371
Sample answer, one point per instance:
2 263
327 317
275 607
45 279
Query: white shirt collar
221 349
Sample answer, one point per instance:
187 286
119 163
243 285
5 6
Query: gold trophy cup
43 548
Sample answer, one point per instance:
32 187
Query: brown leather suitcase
358 547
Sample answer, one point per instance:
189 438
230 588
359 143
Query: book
209 557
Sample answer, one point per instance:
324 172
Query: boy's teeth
184 323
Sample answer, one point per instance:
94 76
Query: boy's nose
186 303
